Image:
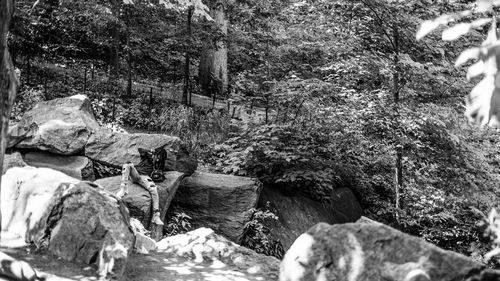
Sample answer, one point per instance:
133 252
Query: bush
258 236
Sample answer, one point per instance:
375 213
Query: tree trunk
115 45
186 92
213 61
8 79
129 55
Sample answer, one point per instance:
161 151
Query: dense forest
307 96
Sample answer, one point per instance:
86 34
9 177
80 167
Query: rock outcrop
296 214
86 224
77 221
115 149
62 126
223 203
79 167
209 250
138 200
371 251
25 195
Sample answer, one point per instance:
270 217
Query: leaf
480 22
469 54
475 70
486 5
483 103
453 33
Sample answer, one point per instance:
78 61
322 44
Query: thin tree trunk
399 147
115 45
8 80
186 91
129 56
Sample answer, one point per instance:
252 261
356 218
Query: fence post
150 108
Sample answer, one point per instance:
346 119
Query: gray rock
86 224
116 149
371 251
221 202
345 205
138 200
62 126
79 167
204 247
25 195
12 160
296 214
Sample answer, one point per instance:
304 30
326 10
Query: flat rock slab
61 126
138 200
372 251
223 203
115 149
79 167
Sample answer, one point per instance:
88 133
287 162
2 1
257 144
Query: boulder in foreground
204 246
76 221
61 126
371 251
223 203
86 224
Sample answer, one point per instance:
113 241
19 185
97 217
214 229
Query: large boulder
25 195
138 200
87 224
77 221
61 126
12 160
79 167
371 251
296 214
220 202
209 251
115 149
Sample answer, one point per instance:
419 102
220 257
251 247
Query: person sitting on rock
145 174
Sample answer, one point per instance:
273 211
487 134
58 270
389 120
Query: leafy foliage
178 223
258 236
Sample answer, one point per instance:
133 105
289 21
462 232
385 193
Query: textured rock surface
12 160
116 149
79 167
371 251
345 205
138 200
26 193
85 223
296 214
62 126
218 258
220 202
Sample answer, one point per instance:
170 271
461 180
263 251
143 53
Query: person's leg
150 186
125 178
